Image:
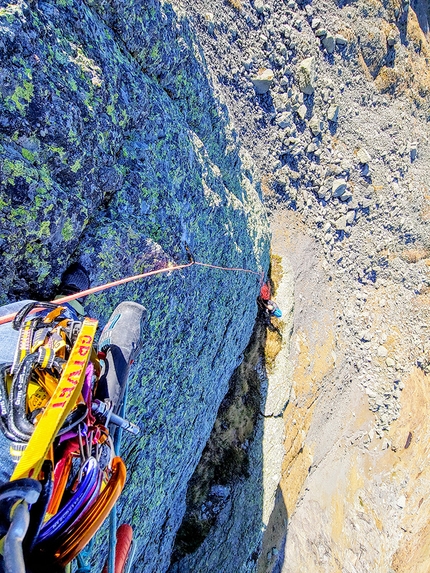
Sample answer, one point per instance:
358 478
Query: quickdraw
62 401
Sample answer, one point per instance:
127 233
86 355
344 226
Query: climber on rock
267 306
270 308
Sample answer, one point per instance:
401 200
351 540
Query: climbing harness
59 403
62 408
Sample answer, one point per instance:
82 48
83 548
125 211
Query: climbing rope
100 288
113 521
237 269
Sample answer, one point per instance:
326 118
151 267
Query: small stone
382 352
263 81
346 196
315 125
284 83
413 150
341 223
401 502
339 187
302 111
333 113
366 203
329 43
275 551
321 32
259 6
341 40
363 155
350 216
365 335
306 75
390 362
284 119
316 23
311 148
391 40
281 101
326 95
210 21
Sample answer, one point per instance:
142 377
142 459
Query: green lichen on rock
116 152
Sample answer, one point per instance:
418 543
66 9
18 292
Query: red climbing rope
10 317
228 268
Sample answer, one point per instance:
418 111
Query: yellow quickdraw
63 400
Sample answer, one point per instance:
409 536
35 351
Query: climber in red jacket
266 305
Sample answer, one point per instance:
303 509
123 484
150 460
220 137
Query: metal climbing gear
65 401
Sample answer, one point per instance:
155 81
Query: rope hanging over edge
93 290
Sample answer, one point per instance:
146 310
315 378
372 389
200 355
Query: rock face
125 129
117 148
116 151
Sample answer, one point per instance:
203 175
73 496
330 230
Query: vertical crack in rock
232 509
225 459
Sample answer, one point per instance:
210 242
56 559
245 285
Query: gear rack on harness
59 401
